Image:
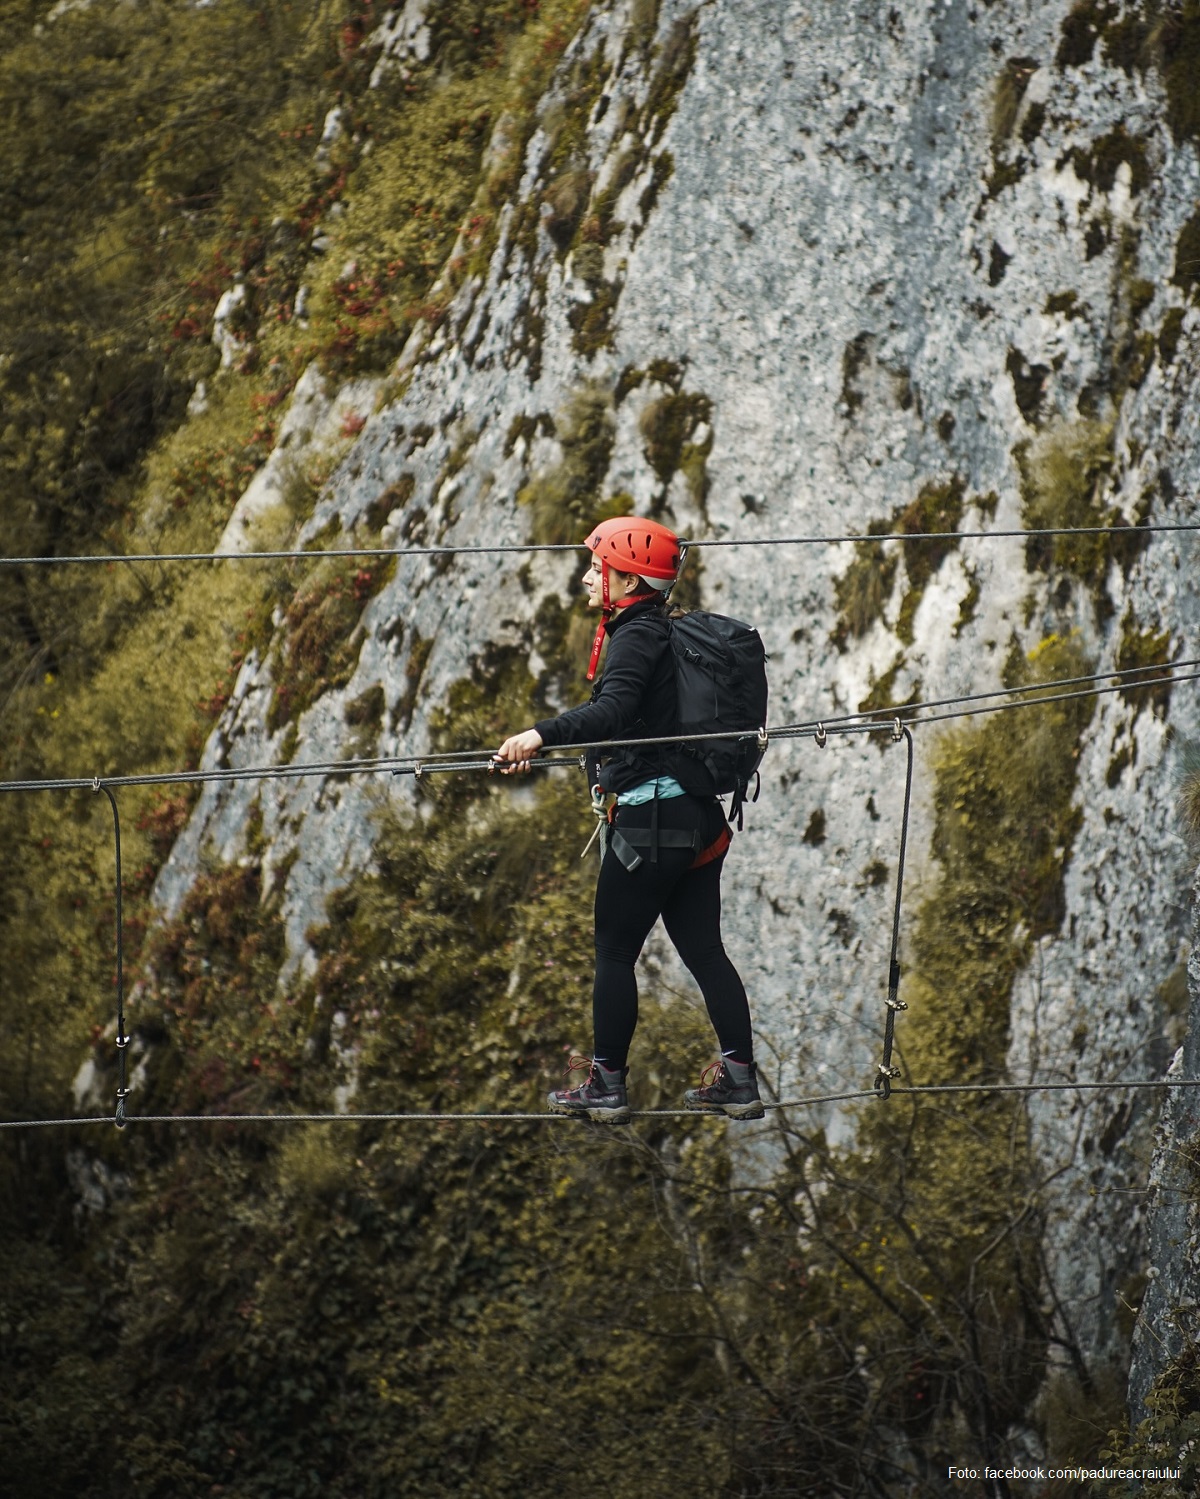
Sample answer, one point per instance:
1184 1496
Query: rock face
1169 1316
778 270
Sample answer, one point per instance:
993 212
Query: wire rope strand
478 760
469 549
919 1090
1059 697
1125 676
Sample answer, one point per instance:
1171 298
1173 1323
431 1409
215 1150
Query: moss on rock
320 641
565 499
1062 474
862 592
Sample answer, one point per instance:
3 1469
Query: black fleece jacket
635 698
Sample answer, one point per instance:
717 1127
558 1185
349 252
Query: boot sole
598 1116
753 1110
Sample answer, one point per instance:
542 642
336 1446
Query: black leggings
689 902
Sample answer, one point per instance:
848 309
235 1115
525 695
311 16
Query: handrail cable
293 554
418 1117
466 760
1125 675
886 1072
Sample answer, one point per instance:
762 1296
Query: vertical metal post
122 1038
887 1071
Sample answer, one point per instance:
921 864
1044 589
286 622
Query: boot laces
592 1082
713 1074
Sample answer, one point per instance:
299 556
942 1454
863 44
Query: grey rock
829 266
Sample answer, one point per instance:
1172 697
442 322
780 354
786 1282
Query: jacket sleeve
616 707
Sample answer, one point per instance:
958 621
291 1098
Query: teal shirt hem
666 787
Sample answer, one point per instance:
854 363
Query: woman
665 848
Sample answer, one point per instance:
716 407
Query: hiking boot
727 1087
601 1096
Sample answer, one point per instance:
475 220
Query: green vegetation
157 157
1143 35
1169 1437
1169 334
937 508
1062 472
969 604
318 647
862 592
1007 98
1140 650
378 1309
388 1309
327 1311
1005 823
591 320
1189 794
565 500
1006 107
1099 163
1187 256
580 216
1066 303
882 696
678 437
1173 43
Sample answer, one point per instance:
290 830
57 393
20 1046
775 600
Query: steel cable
297 554
921 1090
1130 680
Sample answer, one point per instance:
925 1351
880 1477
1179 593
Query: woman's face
594 584
619 584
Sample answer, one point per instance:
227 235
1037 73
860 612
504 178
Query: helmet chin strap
607 606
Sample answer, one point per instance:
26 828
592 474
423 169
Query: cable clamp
763 737
95 783
583 762
897 731
418 770
121 1042
895 1004
889 1072
821 736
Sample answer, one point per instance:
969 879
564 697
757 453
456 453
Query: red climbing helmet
632 544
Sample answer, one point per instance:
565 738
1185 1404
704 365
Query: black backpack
721 678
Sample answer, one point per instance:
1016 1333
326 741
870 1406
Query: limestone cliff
771 269
1166 1330
856 257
